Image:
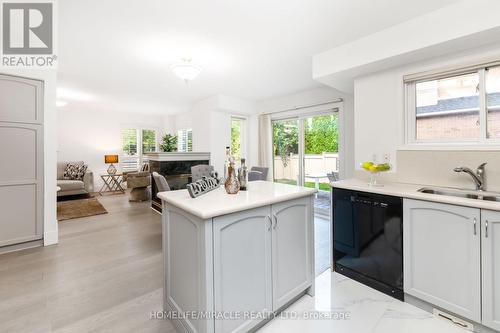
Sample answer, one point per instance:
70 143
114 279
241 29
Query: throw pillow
71 171
81 171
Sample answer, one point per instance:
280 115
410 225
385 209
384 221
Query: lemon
367 165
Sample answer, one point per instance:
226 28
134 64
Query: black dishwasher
368 239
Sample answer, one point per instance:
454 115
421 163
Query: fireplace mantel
178 156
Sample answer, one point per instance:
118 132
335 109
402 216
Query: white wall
210 120
379 124
314 96
50 228
449 29
89 135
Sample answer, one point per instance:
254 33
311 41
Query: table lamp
110 159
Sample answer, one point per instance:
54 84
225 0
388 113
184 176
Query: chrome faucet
477 177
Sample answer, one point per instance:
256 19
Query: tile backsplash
436 168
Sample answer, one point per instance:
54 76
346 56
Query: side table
112 183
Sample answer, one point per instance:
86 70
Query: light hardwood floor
105 275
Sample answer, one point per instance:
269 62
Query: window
129 142
454 108
237 138
148 141
185 140
135 143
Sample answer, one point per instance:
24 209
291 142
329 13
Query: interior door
21 171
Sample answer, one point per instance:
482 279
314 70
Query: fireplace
176 168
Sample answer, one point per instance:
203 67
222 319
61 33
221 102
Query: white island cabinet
233 260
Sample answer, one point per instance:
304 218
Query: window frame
123 153
140 157
410 119
141 130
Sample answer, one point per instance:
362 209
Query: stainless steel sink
492 198
461 193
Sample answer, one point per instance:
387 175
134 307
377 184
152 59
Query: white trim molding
50 237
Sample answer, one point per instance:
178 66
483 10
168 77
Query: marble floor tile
359 309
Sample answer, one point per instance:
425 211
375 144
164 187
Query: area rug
73 209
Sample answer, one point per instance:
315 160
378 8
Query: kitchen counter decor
374 170
202 186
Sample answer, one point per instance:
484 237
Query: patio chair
333 176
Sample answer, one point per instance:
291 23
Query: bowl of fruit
374 170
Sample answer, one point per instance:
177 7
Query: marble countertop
218 202
410 191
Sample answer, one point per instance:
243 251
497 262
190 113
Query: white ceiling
114 55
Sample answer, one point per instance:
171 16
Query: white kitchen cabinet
242 267
442 256
291 248
490 234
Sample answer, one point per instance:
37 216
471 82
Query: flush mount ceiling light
186 70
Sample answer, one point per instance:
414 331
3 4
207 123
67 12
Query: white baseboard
50 237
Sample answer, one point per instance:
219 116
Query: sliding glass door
320 159
305 153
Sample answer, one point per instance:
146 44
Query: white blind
185 140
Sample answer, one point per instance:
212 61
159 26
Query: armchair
139 182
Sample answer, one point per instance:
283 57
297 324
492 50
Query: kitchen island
232 261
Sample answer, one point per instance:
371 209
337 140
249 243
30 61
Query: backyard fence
313 164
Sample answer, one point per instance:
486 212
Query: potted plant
168 143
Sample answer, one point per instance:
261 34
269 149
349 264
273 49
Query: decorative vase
232 185
242 175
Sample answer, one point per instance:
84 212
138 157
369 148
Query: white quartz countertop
410 191
218 202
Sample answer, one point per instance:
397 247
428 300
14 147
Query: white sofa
73 187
